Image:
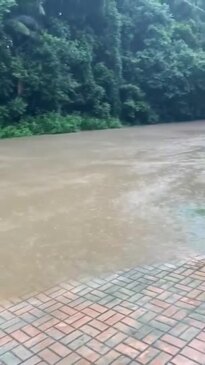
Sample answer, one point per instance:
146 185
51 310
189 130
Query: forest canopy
91 61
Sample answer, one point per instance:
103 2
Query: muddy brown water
89 203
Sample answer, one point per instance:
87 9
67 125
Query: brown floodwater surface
90 203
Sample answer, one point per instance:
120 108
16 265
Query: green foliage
5 6
139 61
53 123
13 131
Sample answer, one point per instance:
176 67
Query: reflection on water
77 205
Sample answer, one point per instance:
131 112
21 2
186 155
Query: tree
141 61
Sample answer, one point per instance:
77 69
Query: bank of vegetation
69 65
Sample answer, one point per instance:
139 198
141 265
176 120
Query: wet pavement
146 315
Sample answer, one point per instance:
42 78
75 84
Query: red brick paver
152 315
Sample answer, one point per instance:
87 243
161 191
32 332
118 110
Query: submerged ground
94 202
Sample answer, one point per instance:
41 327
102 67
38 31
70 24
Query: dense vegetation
67 65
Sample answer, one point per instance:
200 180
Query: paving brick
88 354
136 344
165 296
149 315
80 304
60 315
173 298
64 327
104 336
116 339
4 340
71 337
178 329
155 289
127 350
12 322
190 333
181 360
180 315
49 357
98 346
2 333
21 311
10 359
153 336
30 330
6 316
81 322
161 359
193 355
198 345
98 325
35 340
114 319
42 345
120 309
21 352
160 303
153 308
159 325
197 316
53 307
141 332
68 310
38 313
91 331
129 331
91 297
122 360
52 322
90 312
49 305
166 320
74 318
98 293
16 307
139 312
60 349
149 293
83 362
32 361
168 348
54 333
8 346
129 305
103 317
28 318
201 336
43 298
111 304
173 341
147 356
182 304
193 323
108 358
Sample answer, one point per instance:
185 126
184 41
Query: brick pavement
147 315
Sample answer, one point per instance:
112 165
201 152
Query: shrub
12 131
53 123
114 123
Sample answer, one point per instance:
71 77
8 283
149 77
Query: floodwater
90 203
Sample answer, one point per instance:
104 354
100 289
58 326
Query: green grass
56 124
